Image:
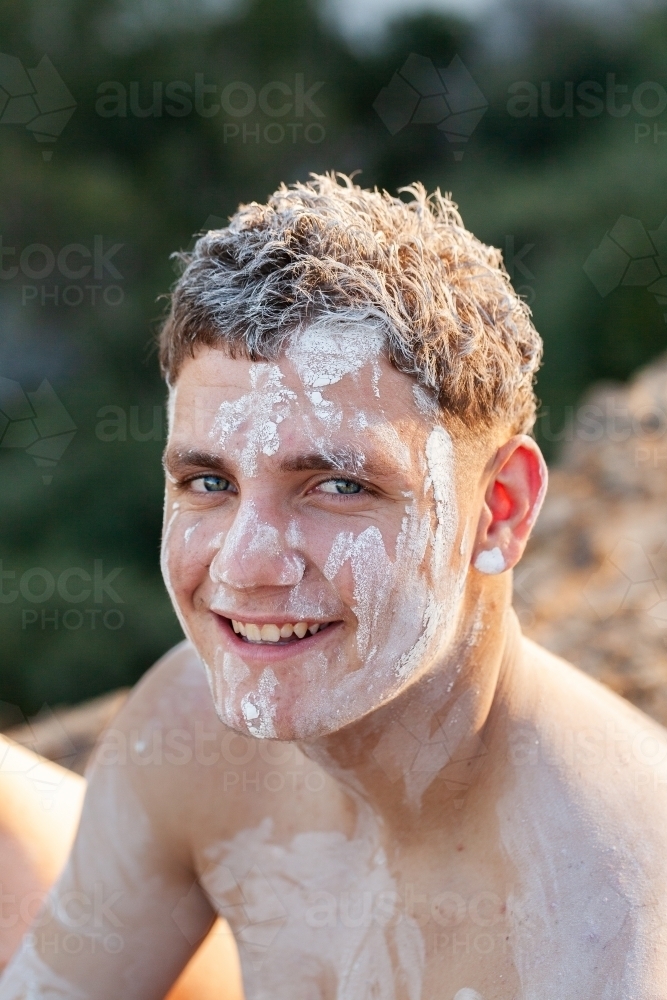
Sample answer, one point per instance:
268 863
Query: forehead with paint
332 381
312 528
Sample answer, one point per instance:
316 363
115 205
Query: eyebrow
174 460
348 460
334 460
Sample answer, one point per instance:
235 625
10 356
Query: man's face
314 541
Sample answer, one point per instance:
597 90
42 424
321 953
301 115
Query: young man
355 759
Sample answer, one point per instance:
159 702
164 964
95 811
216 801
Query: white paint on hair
330 348
426 401
254 284
491 561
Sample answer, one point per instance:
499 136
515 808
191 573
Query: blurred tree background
174 123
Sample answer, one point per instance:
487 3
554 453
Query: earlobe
490 561
514 493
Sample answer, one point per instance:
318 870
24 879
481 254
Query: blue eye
343 487
211 484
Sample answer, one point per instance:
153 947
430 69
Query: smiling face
314 543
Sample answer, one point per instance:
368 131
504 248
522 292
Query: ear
513 498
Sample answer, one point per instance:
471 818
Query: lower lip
264 652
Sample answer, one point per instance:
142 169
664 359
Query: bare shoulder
583 823
203 778
612 753
172 689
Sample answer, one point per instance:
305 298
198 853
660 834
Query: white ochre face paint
378 564
490 561
258 414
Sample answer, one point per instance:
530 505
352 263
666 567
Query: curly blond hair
444 300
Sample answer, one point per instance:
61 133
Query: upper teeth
274 633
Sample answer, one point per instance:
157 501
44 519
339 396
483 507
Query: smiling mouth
273 634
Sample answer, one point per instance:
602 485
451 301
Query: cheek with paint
186 552
403 593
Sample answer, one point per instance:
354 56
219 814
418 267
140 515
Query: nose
255 554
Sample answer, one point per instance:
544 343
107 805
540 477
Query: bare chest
323 917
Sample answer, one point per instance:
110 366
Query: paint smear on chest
315 917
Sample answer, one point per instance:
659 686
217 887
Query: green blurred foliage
150 181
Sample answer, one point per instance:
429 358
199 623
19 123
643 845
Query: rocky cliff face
592 586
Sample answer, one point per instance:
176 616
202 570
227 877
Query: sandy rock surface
592 586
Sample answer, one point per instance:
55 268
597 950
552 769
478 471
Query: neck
441 738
